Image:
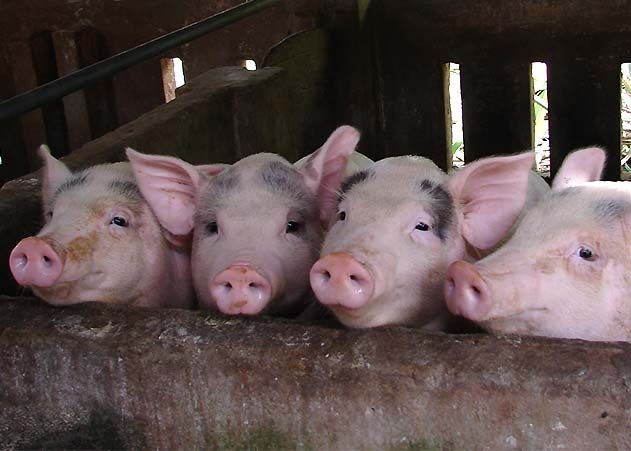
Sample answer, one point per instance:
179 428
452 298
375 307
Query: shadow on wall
104 429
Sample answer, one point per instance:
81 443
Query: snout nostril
228 285
327 275
476 290
354 278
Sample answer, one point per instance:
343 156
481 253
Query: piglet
566 270
401 222
100 242
257 225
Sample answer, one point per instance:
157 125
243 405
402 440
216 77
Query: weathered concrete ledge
223 115
100 377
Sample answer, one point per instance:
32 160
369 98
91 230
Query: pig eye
341 215
49 215
119 221
212 228
293 227
422 227
586 253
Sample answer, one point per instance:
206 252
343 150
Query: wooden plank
306 57
584 109
45 67
501 18
25 79
496 107
415 108
100 99
74 104
412 102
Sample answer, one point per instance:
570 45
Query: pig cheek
295 275
201 263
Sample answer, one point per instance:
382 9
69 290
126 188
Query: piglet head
256 224
97 241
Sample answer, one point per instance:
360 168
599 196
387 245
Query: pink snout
339 279
466 292
240 290
34 262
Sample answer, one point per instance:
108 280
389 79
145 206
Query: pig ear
580 166
170 186
324 170
54 174
491 193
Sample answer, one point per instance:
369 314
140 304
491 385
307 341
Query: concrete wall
100 377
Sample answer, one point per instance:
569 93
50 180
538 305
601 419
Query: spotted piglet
256 225
100 242
401 222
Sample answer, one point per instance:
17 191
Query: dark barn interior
94 376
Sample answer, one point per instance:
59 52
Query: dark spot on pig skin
442 207
609 210
278 177
74 181
353 180
224 183
127 189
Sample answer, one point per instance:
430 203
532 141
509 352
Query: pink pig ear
54 174
580 166
324 170
170 186
491 193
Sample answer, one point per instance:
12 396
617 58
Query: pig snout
339 279
466 292
34 262
240 290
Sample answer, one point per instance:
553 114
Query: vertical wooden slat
75 107
496 107
25 79
584 109
46 70
100 99
414 107
409 90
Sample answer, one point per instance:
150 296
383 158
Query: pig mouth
68 284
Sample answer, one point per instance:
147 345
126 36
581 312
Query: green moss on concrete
261 438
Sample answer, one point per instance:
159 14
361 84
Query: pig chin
83 289
525 322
